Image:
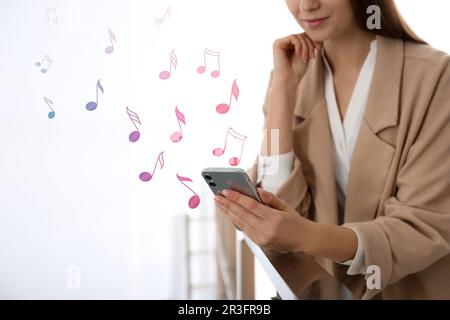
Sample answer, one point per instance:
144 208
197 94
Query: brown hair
392 23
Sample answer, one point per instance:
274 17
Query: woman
363 161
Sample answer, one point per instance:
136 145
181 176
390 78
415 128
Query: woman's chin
317 36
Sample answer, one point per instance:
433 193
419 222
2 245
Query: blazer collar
383 100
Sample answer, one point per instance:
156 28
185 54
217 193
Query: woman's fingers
272 200
239 213
284 43
312 48
291 56
317 46
304 44
308 47
297 45
248 203
253 226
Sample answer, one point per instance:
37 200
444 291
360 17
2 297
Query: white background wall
69 188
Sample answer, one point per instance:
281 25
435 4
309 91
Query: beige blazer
399 182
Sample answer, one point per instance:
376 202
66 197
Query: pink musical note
147 176
135 135
49 102
164 75
112 36
178 135
159 21
216 72
233 161
47 60
223 107
90 106
194 201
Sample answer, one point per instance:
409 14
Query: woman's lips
314 23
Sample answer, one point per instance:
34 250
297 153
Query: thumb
272 200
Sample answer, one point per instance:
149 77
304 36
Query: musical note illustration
213 54
159 21
194 201
178 135
147 176
51 13
173 63
135 135
223 107
49 102
46 60
112 36
90 106
233 161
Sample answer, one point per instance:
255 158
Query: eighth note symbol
194 201
147 176
112 36
159 21
48 61
178 135
135 135
223 107
90 106
215 73
164 75
49 102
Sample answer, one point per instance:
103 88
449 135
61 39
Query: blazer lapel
313 143
372 157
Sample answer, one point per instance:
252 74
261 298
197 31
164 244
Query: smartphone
219 179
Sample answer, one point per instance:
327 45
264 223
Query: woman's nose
308 5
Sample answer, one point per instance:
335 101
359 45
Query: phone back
235 179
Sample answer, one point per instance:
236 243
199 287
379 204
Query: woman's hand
291 56
274 225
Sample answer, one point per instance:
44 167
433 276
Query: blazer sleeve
294 190
414 231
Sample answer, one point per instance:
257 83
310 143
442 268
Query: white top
344 136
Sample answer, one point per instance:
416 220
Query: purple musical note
233 161
209 53
223 107
135 135
164 75
49 102
194 201
147 176
112 36
93 104
178 135
46 60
